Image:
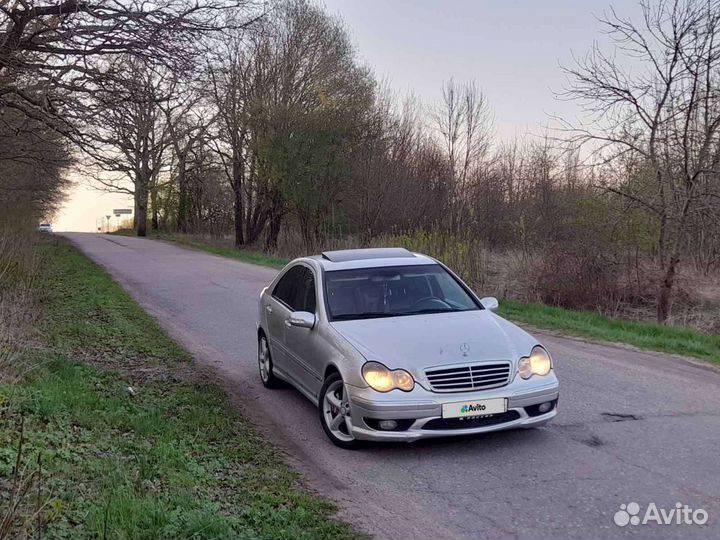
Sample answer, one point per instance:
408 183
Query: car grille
467 378
471 423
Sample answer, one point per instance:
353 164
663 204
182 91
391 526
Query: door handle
287 323
268 309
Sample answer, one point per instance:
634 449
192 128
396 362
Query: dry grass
20 265
699 301
20 270
526 276
628 294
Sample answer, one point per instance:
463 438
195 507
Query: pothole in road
593 441
619 417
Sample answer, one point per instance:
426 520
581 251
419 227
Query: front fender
343 357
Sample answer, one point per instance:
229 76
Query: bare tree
188 120
33 160
664 116
464 124
380 164
288 97
126 134
61 60
51 51
233 78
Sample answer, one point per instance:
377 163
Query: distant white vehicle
45 227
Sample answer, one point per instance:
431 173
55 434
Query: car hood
416 342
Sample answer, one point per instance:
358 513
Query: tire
337 430
265 365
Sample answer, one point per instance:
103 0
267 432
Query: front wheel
335 412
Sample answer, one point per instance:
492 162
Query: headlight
383 379
538 363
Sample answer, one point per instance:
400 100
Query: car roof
349 259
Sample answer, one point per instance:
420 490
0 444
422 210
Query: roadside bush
577 277
20 264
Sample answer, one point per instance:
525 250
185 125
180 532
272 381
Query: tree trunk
141 200
366 234
182 209
154 224
142 187
274 224
253 208
305 230
664 303
237 184
274 219
238 220
255 225
665 293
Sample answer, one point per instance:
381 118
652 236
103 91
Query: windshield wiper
365 315
433 310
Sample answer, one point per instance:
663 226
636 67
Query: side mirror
490 303
301 319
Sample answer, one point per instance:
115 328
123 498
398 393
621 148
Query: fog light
387 425
545 407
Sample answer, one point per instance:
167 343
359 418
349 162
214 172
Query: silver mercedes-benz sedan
393 346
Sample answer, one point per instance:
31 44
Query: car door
278 309
304 345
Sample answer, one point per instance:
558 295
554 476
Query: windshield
393 291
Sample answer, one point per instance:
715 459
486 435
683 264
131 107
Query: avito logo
682 514
478 407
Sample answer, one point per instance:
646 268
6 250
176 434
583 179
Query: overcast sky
511 48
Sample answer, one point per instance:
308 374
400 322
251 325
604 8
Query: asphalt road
633 426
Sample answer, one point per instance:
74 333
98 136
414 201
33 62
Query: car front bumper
420 412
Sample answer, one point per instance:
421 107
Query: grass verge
169 459
649 336
244 255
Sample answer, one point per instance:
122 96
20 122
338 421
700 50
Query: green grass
244 255
172 461
654 337
650 336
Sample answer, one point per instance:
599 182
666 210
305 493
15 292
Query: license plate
480 407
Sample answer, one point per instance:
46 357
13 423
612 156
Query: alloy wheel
336 411
264 359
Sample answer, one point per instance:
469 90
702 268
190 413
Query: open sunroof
346 255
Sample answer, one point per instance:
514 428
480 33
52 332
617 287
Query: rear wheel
335 412
265 364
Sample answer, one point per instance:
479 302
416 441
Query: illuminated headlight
383 379
538 363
